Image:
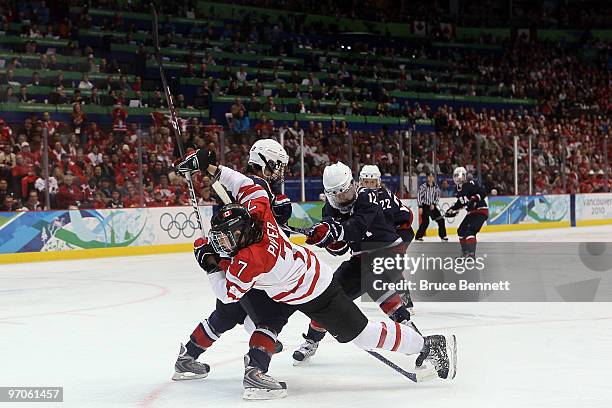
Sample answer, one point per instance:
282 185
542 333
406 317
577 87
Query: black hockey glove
196 161
450 213
203 251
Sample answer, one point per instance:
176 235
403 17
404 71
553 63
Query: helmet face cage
277 171
342 198
369 181
272 171
223 242
230 228
459 176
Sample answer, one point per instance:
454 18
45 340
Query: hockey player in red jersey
266 166
260 256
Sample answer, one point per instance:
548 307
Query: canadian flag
419 28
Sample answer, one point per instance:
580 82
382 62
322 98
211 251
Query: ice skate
401 315
441 351
407 300
259 385
307 350
188 368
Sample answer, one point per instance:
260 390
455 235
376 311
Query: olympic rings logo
178 224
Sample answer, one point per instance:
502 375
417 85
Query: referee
427 200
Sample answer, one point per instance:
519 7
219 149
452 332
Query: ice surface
108 331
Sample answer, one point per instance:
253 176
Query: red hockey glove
203 250
324 233
337 248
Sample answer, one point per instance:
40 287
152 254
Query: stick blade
221 192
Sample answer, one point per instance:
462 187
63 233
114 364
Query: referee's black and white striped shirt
428 194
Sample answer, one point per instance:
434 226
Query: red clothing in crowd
131 201
6 134
158 203
51 126
69 195
120 115
88 193
31 158
20 170
98 204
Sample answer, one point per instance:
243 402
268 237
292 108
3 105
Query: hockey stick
440 217
446 214
222 193
301 230
173 117
219 189
422 375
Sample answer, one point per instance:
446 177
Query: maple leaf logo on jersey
227 214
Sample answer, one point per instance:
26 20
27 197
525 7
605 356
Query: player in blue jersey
396 212
470 196
355 219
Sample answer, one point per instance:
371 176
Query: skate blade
425 373
304 362
451 352
258 394
188 376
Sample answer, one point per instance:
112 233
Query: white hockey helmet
339 186
460 176
269 155
369 177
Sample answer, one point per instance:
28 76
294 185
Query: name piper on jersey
273 246
425 285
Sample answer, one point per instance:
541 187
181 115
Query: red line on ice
162 291
154 395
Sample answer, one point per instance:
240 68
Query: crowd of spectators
98 169
568 154
97 166
481 13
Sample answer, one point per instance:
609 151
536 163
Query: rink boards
77 234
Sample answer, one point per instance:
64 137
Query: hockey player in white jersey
266 167
261 256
